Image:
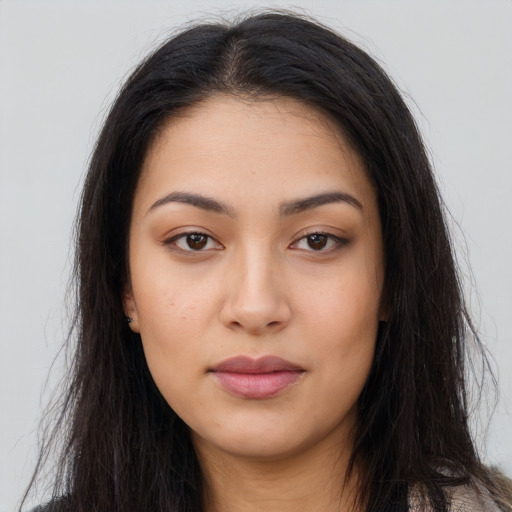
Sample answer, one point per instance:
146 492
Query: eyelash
336 242
187 237
333 242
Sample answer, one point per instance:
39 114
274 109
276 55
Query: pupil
317 241
196 241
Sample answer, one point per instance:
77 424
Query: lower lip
257 385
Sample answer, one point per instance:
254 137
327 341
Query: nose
257 300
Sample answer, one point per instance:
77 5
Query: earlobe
130 308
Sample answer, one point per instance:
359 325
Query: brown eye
193 242
323 243
197 241
317 241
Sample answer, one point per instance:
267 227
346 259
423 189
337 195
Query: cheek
175 316
346 356
171 342
169 325
343 325
348 308
167 299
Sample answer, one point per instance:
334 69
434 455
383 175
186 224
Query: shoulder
57 505
462 498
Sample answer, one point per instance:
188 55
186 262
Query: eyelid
171 240
339 241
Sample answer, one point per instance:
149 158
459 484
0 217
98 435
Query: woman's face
256 272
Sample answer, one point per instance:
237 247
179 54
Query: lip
259 378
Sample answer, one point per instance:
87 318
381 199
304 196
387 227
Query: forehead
272 148
253 119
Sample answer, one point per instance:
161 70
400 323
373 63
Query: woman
269 315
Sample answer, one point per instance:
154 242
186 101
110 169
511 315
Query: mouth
260 378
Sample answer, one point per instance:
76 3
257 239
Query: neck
313 482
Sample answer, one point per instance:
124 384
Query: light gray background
60 66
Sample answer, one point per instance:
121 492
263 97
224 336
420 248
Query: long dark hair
124 448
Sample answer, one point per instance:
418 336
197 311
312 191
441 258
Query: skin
256 285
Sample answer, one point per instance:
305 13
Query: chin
256 447
263 441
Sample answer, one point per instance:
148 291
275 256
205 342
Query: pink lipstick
256 378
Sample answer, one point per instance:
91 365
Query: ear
130 308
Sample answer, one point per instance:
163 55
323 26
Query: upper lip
265 364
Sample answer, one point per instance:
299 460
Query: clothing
463 499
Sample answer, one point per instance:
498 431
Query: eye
319 242
193 242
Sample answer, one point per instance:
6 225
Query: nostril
255 313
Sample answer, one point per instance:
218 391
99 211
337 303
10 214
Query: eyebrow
308 203
197 200
286 209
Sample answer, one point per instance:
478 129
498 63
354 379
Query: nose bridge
256 266
257 301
